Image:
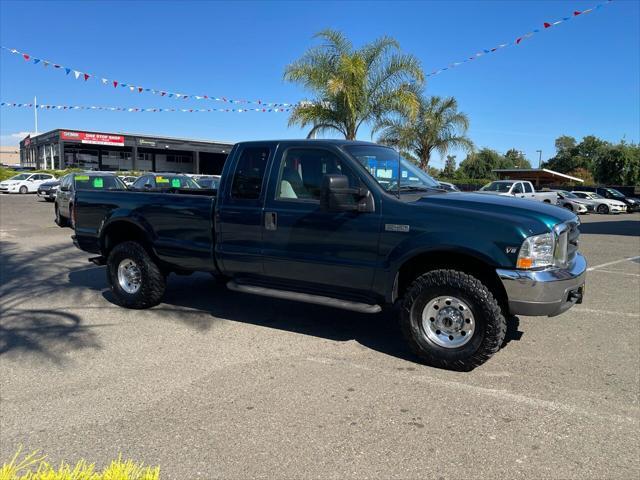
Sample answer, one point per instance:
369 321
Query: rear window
94 182
247 179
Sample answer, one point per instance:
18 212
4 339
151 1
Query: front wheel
135 279
23 190
602 208
451 320
60 220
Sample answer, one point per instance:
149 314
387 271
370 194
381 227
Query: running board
305 297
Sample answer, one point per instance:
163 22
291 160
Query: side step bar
305 297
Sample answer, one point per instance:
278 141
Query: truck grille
568 239
573 239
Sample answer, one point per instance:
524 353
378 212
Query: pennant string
151 109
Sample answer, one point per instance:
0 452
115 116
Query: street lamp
539 152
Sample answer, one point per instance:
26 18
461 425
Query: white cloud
21 135
11 139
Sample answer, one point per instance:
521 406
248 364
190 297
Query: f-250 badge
392 227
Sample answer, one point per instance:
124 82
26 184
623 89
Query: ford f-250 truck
348 225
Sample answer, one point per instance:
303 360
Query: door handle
270 220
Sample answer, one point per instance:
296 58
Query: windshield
22 176
567 194
614 192
95 182
595 195
497 187
211 183
382 164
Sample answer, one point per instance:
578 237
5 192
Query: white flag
77 74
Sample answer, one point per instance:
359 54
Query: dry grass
33 466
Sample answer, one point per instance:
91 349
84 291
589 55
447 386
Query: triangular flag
45 64
77 74
140 89
546 25
68 70
115 83
131 87
104 81
55 65
576 13
35 61
25 56
86 77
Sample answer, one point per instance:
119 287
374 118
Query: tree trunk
424 161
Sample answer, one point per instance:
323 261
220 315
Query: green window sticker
175 182
162 180
98 183
82 178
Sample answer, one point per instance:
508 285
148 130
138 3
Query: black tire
70 221
23 190
60 220
152 281
603 209
490 323
48 199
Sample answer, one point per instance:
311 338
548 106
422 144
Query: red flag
26 57
115 83
518 41
86 77
546 25
55 65
162 94
576 13
140 89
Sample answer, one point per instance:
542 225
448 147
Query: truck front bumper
546 292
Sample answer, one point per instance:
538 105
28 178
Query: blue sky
578 78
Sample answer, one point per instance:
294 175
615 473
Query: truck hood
531 215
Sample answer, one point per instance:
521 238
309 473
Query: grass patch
33 466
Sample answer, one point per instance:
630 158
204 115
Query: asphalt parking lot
213 383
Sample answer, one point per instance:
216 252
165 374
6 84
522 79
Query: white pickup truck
519 189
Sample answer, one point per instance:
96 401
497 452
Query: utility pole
35 112
539 158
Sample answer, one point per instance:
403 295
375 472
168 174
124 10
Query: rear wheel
602 208
135 279
60 220
23 190
451 320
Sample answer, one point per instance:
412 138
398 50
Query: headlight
537 251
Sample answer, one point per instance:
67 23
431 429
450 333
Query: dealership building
60 149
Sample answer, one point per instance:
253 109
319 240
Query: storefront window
144 163
116 161
81 158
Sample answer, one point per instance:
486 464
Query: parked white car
601 204
519 189
25 182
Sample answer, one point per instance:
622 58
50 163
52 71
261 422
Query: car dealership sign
92 138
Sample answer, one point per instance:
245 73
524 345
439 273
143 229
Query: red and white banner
92 138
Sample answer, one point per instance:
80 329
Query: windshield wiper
415 188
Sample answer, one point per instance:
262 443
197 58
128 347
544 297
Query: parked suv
71 183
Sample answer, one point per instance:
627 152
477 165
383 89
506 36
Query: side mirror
337 196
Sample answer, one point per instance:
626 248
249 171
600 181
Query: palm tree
352 87
438 126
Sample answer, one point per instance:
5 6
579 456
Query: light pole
539 157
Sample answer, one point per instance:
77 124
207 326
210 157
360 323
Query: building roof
543 174
129 134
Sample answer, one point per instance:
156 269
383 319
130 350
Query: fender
126 217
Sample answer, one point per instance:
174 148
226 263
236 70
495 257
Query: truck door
528 190
239 211
309 249
518 190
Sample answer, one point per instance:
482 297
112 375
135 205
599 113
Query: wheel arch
470 262
123 230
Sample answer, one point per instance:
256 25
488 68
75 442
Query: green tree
449 169
617 164
352 87
439 126
480 164
515 159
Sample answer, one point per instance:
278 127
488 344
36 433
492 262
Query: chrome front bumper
546 292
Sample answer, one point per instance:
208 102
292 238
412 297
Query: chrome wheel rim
129 276
448 322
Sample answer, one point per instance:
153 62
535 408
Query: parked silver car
572 202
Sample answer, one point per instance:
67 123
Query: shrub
33 466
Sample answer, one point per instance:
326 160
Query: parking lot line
619 273
504 395
628 259
606 312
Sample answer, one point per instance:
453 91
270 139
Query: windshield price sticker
162 180
82 178
98 182
175 182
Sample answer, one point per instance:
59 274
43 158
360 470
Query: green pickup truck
348 225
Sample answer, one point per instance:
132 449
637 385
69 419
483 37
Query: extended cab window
247 179
302 170
517 188
528 188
